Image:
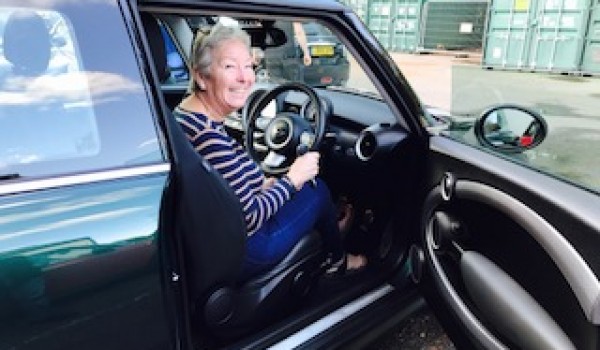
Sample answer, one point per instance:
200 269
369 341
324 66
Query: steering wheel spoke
274 160
262 148
262 122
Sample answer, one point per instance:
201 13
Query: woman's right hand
304 168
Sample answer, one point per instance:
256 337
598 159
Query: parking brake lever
301 150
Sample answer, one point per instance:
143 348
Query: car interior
365 156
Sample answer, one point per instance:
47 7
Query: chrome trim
70 180
337 316
357 145
573 267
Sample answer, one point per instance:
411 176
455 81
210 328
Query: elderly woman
278 212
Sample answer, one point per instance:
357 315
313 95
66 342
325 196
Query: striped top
243 174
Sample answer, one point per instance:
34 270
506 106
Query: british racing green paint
82 261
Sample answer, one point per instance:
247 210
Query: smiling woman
223 75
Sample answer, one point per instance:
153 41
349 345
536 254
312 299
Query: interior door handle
506 305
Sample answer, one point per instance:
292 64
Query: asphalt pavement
420 332
459 85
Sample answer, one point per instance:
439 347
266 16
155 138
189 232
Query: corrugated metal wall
533 35
453 25
417 25
543 35
591 52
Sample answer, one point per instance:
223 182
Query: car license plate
321 51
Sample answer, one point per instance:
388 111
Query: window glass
46 111
460 66
64 105
311 54
178 71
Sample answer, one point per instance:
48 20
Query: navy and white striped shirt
242 173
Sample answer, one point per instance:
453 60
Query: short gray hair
205 44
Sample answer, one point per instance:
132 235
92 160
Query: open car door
509 252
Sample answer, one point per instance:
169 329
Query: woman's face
231 77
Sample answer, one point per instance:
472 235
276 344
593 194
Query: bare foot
355 262
345 217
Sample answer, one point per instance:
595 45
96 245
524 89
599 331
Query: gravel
421 331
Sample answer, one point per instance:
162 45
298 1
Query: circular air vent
366 146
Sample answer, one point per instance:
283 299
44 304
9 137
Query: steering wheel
275 142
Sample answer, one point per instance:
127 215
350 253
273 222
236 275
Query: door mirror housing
510 128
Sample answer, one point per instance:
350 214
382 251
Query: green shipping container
536 35
406 27
591 56
453 25
395 23
358 6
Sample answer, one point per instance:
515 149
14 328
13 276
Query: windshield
314 55
310 53
462 59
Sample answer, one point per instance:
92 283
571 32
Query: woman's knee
317 188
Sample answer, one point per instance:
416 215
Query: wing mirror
510 128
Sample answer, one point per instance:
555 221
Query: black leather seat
209 222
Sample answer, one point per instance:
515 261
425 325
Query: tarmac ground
421 332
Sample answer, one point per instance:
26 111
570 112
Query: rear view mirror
510 128
264 37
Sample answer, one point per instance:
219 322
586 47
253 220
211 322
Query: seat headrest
27 42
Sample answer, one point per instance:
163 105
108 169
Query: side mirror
510 128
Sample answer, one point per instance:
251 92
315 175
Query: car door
508 241
82 174
505 252
509 252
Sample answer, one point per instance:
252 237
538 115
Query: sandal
345 217
341 268
336 268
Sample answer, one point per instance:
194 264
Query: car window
330 64
178 70
462 60
64 106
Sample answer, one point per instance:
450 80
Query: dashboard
359 127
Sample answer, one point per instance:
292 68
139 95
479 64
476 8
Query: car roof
330 5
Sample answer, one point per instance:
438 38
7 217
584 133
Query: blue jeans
311 207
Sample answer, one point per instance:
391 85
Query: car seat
209 223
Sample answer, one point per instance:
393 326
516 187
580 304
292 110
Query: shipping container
406 26
395 23
359 6
591 57
453 25
537 35
379 20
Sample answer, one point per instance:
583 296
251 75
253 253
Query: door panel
507 251
79 267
